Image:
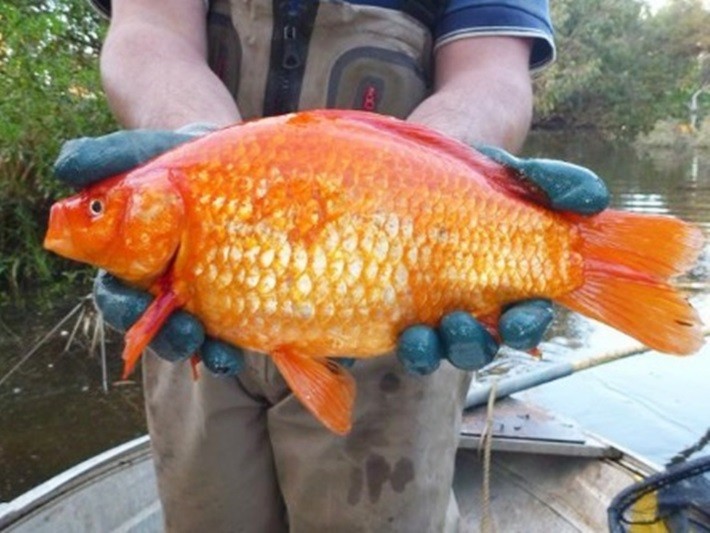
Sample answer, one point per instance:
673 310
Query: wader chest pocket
376 79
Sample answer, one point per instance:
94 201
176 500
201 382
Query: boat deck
545 474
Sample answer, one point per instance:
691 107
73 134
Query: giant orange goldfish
325 233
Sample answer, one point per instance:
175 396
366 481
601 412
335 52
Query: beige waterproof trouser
243 455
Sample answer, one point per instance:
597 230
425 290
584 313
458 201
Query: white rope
486 443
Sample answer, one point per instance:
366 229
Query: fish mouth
59 238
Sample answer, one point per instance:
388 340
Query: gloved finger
568 187
222 358
121 306
419 350
523 325
90 159
347 362
466 343
197 129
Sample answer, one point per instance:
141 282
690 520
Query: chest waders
278 56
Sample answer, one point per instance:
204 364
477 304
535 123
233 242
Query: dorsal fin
498 176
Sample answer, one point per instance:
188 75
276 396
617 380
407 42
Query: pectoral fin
323 386
142 332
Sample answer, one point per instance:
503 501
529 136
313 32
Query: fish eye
96 207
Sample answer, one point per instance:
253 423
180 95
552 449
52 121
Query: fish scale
326 233
406 250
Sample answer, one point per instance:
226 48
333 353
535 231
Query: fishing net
676 500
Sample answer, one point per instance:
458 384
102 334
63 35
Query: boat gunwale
73 479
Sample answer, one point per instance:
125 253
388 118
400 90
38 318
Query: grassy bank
676 134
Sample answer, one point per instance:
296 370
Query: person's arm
154 67
482 92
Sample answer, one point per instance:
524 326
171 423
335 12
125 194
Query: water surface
54 412
653 404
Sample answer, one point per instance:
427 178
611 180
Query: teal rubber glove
467 344
87 160
568 187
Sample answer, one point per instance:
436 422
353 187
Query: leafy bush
622 71
51 93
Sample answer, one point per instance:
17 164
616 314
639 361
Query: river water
54 412
653 404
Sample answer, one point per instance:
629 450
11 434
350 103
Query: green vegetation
50 92
621 70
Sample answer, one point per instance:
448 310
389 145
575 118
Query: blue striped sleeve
523 18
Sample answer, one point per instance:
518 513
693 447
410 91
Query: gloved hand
462 339
568 187
87 160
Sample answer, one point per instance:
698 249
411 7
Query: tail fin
628 259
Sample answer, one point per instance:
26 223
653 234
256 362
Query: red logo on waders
369 98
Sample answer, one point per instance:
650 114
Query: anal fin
324 387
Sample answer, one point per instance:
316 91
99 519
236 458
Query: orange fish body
326 233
